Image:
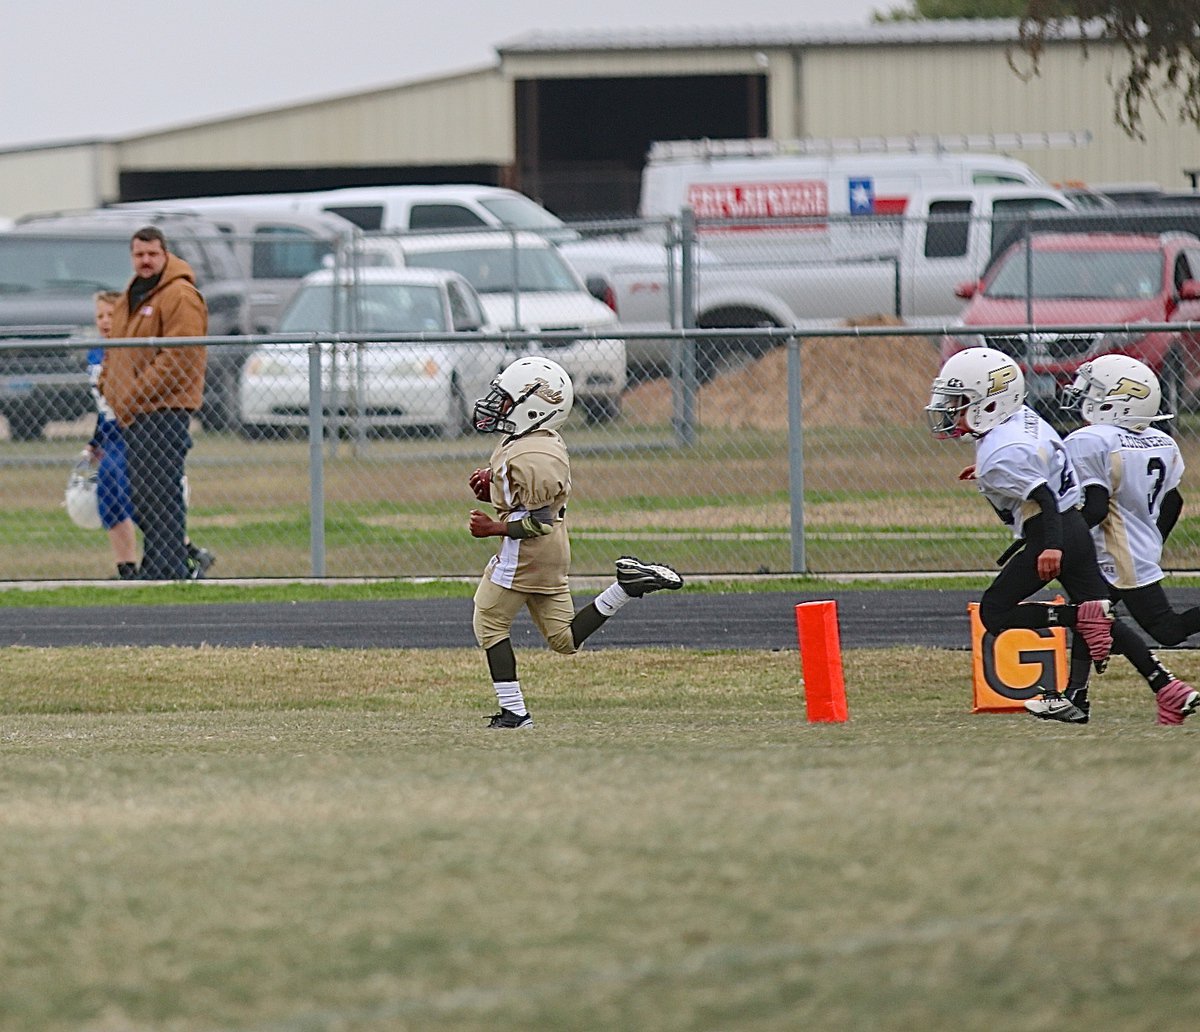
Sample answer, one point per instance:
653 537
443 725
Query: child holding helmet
1130 472
1025 473
107 449
528 480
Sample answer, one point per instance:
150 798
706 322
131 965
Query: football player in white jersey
1130 473
529 481
1023 470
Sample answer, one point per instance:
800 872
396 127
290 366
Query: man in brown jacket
153 391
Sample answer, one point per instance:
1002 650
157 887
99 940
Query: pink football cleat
1176 701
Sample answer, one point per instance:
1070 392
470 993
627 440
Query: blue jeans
157 444
112 475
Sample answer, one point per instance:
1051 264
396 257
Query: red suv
1082 279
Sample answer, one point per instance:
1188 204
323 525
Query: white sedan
524 283
428 385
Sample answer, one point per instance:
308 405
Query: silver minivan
276 249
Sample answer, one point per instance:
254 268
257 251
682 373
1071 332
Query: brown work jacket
136 380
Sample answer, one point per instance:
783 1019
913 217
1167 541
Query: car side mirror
602 290
1189 290
467 326
968 290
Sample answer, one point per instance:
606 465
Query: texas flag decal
862 197
864 202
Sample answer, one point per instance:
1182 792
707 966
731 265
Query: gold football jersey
529 473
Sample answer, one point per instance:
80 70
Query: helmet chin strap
531 429
521 401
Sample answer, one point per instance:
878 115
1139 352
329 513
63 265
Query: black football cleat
507 720
639 578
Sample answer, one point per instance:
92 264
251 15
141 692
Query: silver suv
51 265
276 249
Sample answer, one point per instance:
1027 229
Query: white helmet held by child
987 384
1116 390
81 501
531 394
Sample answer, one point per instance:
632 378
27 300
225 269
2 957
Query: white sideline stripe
718 959
899 535
734 535
673 535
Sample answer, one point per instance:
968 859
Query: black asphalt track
752 620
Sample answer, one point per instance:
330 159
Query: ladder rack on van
916 143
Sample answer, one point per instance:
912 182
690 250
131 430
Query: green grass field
328 841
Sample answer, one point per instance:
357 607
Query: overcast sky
72 70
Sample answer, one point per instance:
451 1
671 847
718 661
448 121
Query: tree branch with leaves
1161 38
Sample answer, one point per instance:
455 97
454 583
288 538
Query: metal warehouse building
567 118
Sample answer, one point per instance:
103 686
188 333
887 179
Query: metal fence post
316 463
1030 340
1027 233
516 278
672 244
684 381
796 456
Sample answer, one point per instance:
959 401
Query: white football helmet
81 502
531 394
1115 390
986 383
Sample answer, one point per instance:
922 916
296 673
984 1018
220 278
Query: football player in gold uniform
528 480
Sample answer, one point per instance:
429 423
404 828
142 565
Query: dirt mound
863 381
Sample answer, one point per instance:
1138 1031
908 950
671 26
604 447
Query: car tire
220 409
717 355
600 410
1173 382
458 419
25 425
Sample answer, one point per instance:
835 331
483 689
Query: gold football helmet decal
543 390
999 379
1132 388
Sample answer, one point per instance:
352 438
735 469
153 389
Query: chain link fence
340 446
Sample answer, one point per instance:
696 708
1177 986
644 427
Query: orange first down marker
821 661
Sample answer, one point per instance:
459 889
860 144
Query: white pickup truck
905 265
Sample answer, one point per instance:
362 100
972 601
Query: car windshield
77 265
381 307
496 270
1079 274
522 213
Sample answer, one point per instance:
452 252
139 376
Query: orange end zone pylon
821 661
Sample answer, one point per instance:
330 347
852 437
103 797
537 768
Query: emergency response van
746 179
793 186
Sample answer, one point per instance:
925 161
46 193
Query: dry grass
325 840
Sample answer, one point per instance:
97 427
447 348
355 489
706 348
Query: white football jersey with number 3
1137 468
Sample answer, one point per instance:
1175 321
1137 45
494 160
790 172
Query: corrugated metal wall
853 91
459 119
57 178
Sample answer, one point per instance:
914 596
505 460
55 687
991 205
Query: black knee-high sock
1128 643
502 664
1080 669
588 620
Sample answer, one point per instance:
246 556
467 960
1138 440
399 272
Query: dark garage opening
156 184
581 143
